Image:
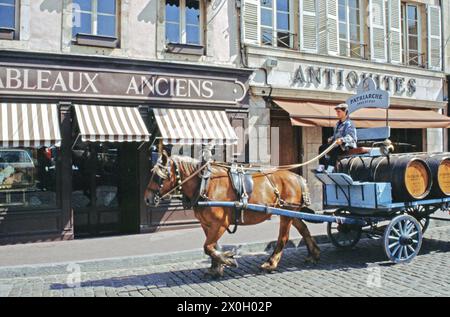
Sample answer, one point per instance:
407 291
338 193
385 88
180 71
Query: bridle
163 173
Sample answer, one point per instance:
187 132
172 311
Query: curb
118 263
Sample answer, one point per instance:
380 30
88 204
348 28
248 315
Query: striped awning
29 125
187 127
111 124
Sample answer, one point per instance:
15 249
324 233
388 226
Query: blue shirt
347 131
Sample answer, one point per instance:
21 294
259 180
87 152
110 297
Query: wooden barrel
440 171
409 175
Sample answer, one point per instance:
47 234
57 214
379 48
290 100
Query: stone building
79 82
310 55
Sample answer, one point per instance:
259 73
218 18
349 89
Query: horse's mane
188 163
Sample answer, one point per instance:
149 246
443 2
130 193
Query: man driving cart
344 134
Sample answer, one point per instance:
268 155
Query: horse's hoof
229 254
231 263
267 267
213 274
311 260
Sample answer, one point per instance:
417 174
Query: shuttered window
412 52
309 25
350 32
434 38
394 28
276 23
378 34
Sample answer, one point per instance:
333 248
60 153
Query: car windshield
14 157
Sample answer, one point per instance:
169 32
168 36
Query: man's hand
339 141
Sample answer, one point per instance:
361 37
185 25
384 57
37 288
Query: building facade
79 80
311 55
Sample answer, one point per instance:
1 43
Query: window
350 31
183 22
28 178
411 35
95 17
276 23
8 14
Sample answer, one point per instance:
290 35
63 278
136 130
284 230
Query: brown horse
216 220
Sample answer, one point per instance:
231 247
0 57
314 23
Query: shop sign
119 85
368 97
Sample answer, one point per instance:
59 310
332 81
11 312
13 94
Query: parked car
17 168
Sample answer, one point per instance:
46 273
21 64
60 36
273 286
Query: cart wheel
402 239
343 236
422 214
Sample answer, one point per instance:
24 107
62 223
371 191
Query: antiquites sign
350 79
119 85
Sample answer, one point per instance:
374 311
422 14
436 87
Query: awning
187 127
111 124
29 125
310 114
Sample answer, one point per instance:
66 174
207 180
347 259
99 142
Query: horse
269 189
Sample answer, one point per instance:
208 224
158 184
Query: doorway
105 189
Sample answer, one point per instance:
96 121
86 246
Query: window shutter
434 38
377 30
323 31
333 27
250 22
308 26
395 35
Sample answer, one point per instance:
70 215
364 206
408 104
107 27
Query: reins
263 171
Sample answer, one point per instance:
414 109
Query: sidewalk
258 236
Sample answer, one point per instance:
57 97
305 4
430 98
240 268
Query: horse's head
163 180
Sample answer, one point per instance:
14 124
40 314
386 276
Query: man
345 135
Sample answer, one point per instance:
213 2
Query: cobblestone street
360 272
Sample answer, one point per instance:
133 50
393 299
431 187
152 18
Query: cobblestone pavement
363 271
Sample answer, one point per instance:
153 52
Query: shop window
351 42
28 178
407 140
184 22
8 19
411 30
276 23
95 22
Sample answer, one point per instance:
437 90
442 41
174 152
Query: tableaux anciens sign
122 85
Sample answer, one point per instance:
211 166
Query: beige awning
111 124
29 125
311 114
187 127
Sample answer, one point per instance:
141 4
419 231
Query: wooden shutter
395 35
377 20
333 27
308 26
250 22
434 38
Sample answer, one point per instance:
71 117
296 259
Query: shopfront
76 135
301 94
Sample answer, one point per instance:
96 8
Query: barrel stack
410 176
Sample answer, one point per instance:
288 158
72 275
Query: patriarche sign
368 97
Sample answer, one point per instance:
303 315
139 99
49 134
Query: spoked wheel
402 239
343 236
422 214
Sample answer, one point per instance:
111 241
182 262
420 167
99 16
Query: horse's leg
311 245
283 237
215 232
216 268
